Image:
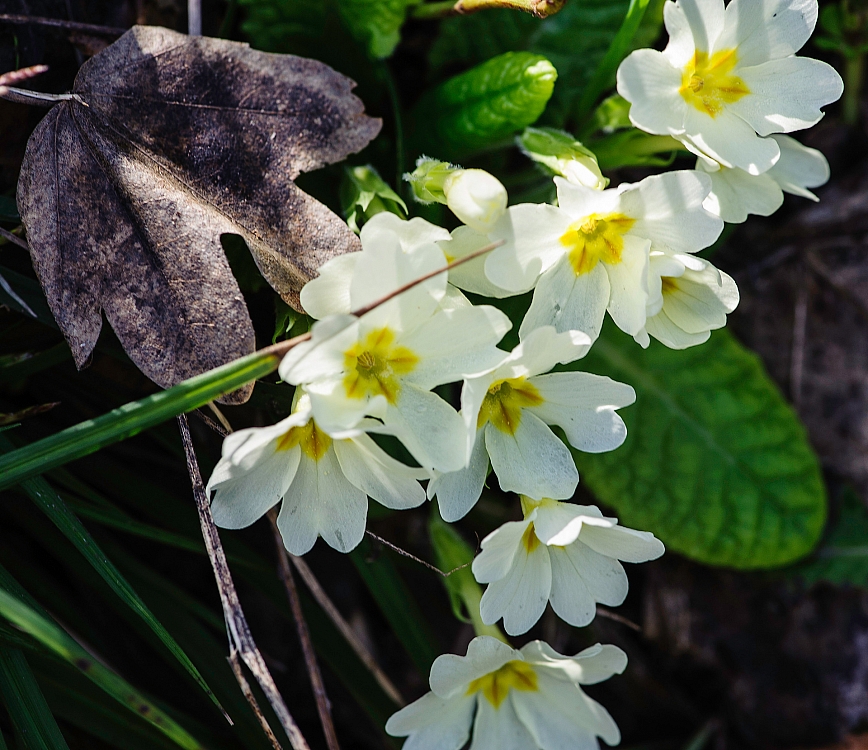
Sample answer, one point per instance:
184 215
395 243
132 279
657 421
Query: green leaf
485 106
33 721
396 603
61 644
843 559
64 519
130 419
376 24
270 24
364 194
716 463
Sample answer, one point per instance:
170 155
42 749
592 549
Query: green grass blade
618 50
61 644
61 516
397 604
130 419
30 714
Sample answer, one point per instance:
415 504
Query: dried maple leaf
168 142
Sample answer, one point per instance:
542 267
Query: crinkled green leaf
376 24
485 106
843 559
32 718
62 645
716 463
364 194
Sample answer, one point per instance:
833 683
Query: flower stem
435 10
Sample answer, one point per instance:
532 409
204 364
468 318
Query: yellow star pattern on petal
503 404
596 238
495 686
708 84
374 366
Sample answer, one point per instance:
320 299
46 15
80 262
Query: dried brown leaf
169 142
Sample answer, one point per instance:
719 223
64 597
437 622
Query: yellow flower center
313 442
596 238
504 401
496 686
529 540
375 366
708 84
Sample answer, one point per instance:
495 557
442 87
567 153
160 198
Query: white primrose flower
329 293
513 700
729 76
590 253
385 363
689 299
324 481
736 193
562 553
507 411
470 276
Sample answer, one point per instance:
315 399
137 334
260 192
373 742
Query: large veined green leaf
130 419
376 24
485 106
61 644
843 558
32 718
716 463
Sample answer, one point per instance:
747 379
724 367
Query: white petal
700 301
322 502
583 405
470 276
430 429
562 717
621 543
589 667
386 227
571 599
379 273
767 29
558 524
786 95
520 597
451 673
668 211
456 343
499 549
728 139
532 243
458 491
680 47
604 576
650 83
434 723
329 293
706 19
544 348
499 728
378 475
533 461
799 167
629 286
569 302
323 355
665 331
476 197
735 194
580 201
240 501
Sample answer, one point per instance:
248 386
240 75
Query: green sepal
365 194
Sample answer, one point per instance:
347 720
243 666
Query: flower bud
561 154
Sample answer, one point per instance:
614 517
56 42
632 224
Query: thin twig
235 663
609 615
220 417
194 17
800 325
404 553
323 706
87 28
21 75
326 604
214 425
237 625
13 238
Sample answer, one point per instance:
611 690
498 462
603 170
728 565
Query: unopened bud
561 154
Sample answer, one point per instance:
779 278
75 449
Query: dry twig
235 663
87 28
239 630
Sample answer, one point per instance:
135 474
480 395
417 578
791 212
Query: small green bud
365 194
561 154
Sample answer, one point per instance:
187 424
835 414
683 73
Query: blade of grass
59 642
618 50
50 503
130 419
30 714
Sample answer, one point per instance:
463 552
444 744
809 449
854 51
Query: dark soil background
718 659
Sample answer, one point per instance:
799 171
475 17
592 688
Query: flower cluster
727 86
